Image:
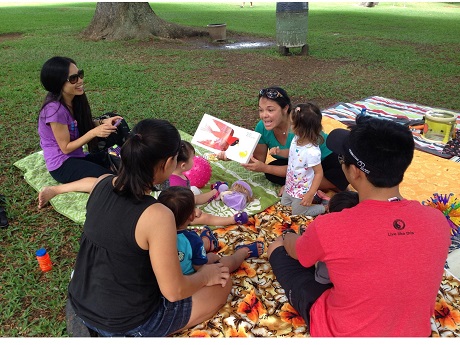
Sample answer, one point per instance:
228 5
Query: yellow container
440 125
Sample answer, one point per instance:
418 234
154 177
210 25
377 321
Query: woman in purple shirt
65 125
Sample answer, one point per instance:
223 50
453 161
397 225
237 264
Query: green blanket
73 205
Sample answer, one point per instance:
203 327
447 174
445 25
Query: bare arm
289 242
276 151
257 163
203 198
62 135
260 152
156 231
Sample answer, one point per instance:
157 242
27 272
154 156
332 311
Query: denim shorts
298 282
167 319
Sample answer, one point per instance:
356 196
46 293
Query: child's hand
221 156
274 151
307 199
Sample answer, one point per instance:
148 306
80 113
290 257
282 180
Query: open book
217 135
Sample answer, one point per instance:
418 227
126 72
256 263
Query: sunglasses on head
270 93
72 79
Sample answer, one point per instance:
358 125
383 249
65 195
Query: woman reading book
275 129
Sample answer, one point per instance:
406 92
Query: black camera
116 138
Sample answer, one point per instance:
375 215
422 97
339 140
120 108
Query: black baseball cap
338 142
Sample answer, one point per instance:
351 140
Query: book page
217 135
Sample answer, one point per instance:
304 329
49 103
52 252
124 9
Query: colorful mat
257 305
398 111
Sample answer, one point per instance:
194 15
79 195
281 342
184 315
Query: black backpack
116 138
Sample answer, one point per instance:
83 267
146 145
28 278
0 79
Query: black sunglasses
72 79
341 159
270 93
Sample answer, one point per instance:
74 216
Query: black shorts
298 282
333 172
280 180
73 169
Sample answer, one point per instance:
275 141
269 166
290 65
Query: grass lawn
406 51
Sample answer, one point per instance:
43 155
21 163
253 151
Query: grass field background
406 51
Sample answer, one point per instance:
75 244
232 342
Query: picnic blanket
398 111
257 305
73 205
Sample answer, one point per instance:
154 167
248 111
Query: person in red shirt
385 256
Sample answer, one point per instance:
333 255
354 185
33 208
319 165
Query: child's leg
47 193
313 210
322 273
213 220
210 219
286 199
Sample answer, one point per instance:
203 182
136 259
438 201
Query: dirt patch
240 59
10 36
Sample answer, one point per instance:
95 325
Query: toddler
194 250
304 171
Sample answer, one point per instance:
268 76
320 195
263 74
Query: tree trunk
133 20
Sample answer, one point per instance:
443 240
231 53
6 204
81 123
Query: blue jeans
166 320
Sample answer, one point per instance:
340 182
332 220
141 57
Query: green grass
407 51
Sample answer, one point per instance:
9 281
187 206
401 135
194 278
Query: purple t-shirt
56 112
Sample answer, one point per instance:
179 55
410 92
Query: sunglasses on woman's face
270 93
72 79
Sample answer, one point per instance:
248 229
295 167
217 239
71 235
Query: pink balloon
200 174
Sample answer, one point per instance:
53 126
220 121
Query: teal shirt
268 138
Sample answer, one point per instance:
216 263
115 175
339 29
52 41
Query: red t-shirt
386 261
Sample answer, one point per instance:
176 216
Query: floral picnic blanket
257 305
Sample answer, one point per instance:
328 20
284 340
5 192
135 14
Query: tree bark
133 20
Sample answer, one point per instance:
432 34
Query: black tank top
113 287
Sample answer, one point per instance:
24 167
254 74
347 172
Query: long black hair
53 76
151 143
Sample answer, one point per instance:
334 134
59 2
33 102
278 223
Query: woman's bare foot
45 195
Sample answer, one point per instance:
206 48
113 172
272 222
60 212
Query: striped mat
401 112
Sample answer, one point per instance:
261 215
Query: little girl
177 178
304 171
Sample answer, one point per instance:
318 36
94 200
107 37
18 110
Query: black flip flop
3 220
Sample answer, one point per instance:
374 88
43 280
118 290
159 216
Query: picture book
217 135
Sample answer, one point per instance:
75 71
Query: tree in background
133 20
